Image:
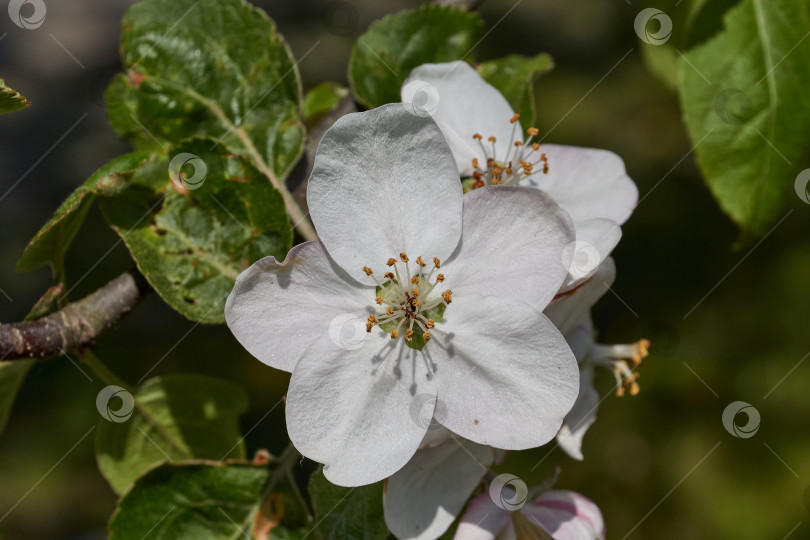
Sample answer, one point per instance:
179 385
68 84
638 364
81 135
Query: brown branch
76 325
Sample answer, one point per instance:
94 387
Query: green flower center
410 303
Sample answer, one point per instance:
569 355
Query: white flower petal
482 520
509 378
384 181
566 515
358 411
467 105
568 309
587 182
582 415
596 239
276 310
423 499
511 246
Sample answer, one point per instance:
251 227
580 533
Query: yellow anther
492 138
380 300
634 389
415 280
415 302
404 257
477 136
620 391
415 293
408 334
394 334
389 311
436 262
426 335
532 131
368 270
475 163
391 262
430 323
514 118
447 296
420 262
535 146
508 171
518 143
439 278
495 181
369 326
372 319
389 275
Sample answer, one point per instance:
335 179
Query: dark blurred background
660 465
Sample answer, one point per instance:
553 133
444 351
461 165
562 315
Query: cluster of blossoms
443 317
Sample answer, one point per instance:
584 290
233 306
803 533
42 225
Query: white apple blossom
450 292
555 514
489 147
571 314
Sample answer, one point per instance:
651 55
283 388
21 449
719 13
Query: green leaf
208 68
514 76
750 124
384 56
191 242
52 241
693 22
12 374
10 99
175 417
322 99
191 500
347 513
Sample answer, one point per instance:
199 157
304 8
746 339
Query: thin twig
76 325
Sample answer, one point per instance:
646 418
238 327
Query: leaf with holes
514 76
191 241
208 68
384 56
343 512
53 239
195 500
749 125
176 417
11 100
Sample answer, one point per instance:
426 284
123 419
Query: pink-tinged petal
587 182
509 377
423 499
512 246
582 415
566 515
465 105
482 520
277 310
384 182
353 410
568 309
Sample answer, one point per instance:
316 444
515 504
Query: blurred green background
660 465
